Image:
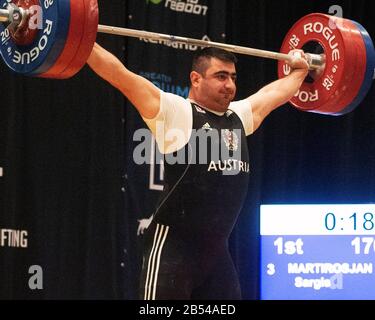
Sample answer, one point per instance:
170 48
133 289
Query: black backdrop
66 149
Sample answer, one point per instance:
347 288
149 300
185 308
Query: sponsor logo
176 45
156 168
153 1
183 6
206 126
165 83
13 238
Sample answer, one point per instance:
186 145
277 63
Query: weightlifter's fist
299 60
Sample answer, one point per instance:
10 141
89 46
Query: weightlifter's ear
195 78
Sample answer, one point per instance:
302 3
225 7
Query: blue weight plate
43 52
61 16
370 68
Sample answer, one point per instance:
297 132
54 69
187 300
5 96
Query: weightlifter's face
216 87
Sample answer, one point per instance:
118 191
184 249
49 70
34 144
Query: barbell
54 38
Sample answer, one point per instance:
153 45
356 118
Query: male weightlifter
186 255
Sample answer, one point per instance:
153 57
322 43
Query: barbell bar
342 57
315 61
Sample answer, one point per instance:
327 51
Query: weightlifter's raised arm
280 91
143 94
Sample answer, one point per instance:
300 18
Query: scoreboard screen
317 252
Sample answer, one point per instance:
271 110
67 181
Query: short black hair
201 59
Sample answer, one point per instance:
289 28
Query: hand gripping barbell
54 38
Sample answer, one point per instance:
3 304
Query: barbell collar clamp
4 15
15 16
315 61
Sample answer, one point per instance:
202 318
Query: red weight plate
90 31
323 94
75 34
358 70
349 86
369 69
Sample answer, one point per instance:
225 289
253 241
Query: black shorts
177 267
